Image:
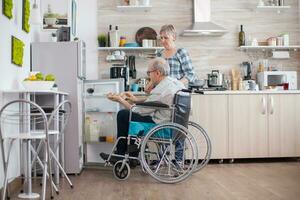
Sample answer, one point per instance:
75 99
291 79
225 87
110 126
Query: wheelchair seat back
182 107
182 102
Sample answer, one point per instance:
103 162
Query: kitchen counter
238 92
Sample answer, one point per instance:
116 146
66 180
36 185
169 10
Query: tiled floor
238 181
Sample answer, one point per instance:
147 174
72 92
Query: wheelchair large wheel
121 170
167 145
203 144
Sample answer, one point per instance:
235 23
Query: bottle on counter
241 37
108 36
87 129
114 37
95 131
281 2
286 39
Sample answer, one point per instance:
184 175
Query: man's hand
120 98
114 97
129 96
150 86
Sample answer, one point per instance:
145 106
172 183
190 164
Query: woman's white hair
169 29
161 65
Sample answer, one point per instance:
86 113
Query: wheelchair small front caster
121 170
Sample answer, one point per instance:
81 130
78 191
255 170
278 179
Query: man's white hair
161 65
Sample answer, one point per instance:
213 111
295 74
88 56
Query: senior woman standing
179 60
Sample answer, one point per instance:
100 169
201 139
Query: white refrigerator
66 60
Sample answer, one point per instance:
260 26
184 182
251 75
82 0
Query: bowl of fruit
37 82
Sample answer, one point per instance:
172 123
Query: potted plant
50 17
102 40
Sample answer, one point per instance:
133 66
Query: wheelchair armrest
153 104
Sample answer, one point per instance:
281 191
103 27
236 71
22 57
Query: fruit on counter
39 76
32 78
50 77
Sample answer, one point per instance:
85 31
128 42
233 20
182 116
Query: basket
38 85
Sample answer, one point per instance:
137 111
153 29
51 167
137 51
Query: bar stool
57 123
17 120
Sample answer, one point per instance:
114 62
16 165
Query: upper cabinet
272 5
269 48
134 5
134 8
279 9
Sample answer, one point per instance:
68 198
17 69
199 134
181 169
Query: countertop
231 92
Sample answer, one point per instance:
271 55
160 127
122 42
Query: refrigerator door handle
81 61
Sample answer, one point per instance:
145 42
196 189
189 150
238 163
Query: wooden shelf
129 48
269 48
270 8
134 8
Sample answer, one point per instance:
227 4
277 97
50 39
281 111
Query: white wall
87 31
10 74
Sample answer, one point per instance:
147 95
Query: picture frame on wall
54 15
17 51
26 16
7 8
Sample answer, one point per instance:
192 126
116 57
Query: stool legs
5 167
47 163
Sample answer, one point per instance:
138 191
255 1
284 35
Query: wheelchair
168 152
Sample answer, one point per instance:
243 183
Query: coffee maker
247 68
120 71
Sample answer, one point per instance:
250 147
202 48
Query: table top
34 91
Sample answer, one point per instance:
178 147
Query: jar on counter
271 41
126 2
122 41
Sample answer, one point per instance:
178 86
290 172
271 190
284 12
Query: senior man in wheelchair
163 92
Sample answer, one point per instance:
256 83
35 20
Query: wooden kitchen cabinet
284 125
248 126
211 112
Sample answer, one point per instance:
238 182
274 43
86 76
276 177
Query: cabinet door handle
263 100
271 105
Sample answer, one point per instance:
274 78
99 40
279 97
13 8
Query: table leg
28 194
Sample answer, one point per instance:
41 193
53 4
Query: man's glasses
163 37
149 72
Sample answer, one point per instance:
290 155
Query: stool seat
27 136
50 132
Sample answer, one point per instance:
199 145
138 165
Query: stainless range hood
202 25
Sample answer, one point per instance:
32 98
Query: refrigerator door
63 59
100 117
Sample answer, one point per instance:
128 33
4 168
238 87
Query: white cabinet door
211 112
248 134
284 125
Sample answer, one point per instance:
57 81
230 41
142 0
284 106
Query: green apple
39 76
50 77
